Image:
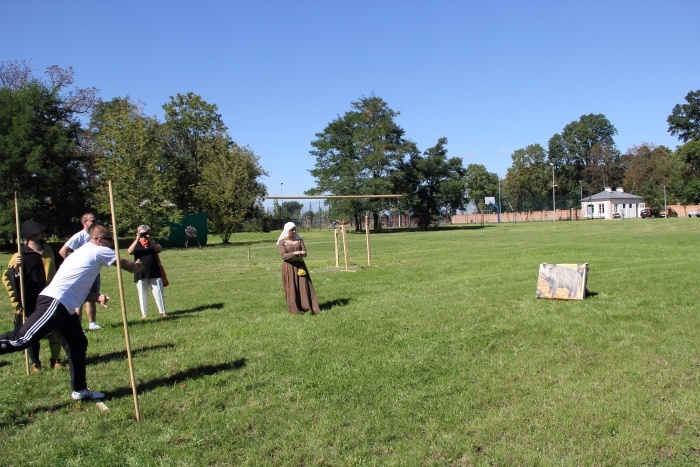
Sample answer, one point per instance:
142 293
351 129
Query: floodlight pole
499 200
554 198
665 206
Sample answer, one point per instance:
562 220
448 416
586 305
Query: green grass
438 354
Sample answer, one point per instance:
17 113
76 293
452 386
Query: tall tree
651 169
128 150
528 180
191 123
357 154
480 184
229 187
290 209
684 120
39 158
689 156
434 185
15 74
585 152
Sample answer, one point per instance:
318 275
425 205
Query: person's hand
138 266
102 299
18 263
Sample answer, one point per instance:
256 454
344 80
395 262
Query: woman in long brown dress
298 288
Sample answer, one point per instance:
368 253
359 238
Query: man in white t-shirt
76 241
55 307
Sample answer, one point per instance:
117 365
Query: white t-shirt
73 280
78 240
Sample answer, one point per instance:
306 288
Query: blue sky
490 76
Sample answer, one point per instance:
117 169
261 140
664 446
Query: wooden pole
369 246
337 251
345 247
123 304
21 279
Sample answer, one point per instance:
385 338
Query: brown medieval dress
298 288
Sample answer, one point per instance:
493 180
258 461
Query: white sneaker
87 394
94 327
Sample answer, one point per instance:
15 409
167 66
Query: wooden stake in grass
369 245
345 247
123 305
21 279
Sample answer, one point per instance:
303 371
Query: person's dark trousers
32 350
48 315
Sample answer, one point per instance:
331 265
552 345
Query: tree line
59 146
366 152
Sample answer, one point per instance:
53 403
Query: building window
601 208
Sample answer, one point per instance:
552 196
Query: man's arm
64 251
130 266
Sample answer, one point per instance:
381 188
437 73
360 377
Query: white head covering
285 233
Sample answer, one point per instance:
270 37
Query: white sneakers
94 327
87 394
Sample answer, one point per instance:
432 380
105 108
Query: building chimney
620 189
608 189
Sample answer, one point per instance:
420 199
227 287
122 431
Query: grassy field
437 354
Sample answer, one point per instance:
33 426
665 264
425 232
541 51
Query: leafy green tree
39 159
229 188
357 154
128 150
434 185
527 180
689 156
684 121
585 152
647 169
291 209
190 125
480 184
15 74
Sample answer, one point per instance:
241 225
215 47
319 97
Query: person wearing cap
298 289
145 250
79 239
39 263
56 304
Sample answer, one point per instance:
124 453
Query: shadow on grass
20 417
121 355
197 309
172 316
181 377
333 303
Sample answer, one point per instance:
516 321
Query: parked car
650 212
695 213
669 213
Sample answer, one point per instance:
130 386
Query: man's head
88 220
32 231
101 236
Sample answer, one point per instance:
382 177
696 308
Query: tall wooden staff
21 279
123 304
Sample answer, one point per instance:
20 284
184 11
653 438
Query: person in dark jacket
39 264
145 250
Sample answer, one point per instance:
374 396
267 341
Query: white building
611 204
